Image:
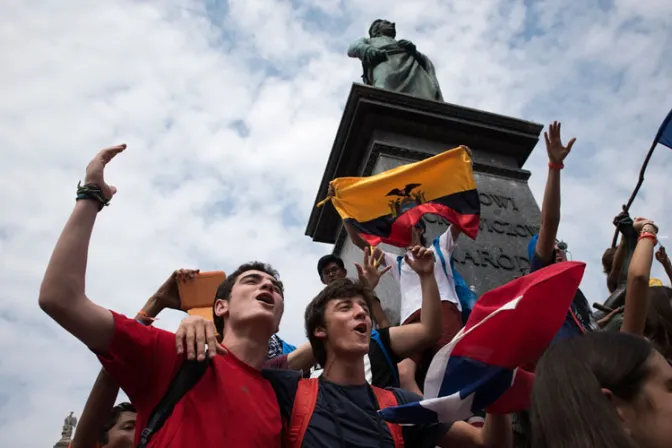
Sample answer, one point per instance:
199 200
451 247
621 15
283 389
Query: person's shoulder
131 335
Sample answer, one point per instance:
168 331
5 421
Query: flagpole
639 184
664 136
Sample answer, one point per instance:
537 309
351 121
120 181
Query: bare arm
455 232
62 292
550 207
636 292
96 411
355 237
496 433
550 216
663 259
406 340
379 314
302 358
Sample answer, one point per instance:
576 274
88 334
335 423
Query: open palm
556 150
96 168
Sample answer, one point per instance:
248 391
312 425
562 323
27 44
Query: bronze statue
68 426
395 65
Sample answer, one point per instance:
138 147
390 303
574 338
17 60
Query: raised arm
406 340
550 208
663 259
62 294
636 292
355 237
96 411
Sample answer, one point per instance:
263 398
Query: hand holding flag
480 369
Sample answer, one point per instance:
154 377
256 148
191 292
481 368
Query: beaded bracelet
92 192
556 166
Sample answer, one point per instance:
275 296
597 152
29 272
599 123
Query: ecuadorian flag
384 207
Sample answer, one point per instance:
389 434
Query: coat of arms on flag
384 208
509 326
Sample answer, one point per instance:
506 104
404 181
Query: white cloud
175 79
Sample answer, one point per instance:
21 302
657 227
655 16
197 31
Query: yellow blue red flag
385 207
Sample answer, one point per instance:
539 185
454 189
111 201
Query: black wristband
92 192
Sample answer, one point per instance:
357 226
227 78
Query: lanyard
337 421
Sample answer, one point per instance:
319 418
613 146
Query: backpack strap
375 335
387 399
187 376
302 411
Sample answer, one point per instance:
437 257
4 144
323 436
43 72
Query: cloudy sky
229 110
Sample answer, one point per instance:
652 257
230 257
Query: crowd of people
605 381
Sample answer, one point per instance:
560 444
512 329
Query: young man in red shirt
232 403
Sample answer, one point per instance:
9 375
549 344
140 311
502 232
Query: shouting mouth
361 329
266 298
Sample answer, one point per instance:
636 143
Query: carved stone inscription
494 257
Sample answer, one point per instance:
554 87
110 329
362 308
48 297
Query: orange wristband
556 166
650 235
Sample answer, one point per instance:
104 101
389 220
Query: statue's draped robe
401 72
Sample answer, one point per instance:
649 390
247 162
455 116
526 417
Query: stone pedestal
381 130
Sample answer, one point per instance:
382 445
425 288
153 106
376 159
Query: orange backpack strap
386 399
304 405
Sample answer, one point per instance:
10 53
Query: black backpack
187 376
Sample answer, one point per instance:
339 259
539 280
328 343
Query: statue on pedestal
395 64
66 434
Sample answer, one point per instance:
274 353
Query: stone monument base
381 130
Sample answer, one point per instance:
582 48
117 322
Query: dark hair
328 259
568 408
608 259
224 289
340 289
112 420
658 326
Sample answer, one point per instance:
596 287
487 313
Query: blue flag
664 136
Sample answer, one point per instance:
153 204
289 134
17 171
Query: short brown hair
224 289
314 317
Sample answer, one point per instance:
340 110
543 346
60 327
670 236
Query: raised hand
95 170
556 151
641 224
368 272
422 261
661 256
168 295
194 333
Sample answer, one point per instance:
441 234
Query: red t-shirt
232 405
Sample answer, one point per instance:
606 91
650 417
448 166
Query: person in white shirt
413 369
